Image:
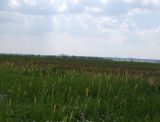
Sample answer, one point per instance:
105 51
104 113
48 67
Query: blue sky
108 28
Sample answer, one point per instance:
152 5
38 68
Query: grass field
61 89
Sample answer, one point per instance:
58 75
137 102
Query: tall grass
35 91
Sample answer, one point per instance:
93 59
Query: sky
103 28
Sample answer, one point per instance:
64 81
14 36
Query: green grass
54 89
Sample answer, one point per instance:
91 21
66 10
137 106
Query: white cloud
127 26
62 8
150 35
129 0
150 38
136 11
93 10
14 3
52 2
105 24
104 1
31 2
75 1
147 2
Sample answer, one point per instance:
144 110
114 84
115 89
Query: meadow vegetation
62 89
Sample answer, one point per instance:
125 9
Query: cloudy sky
108 28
